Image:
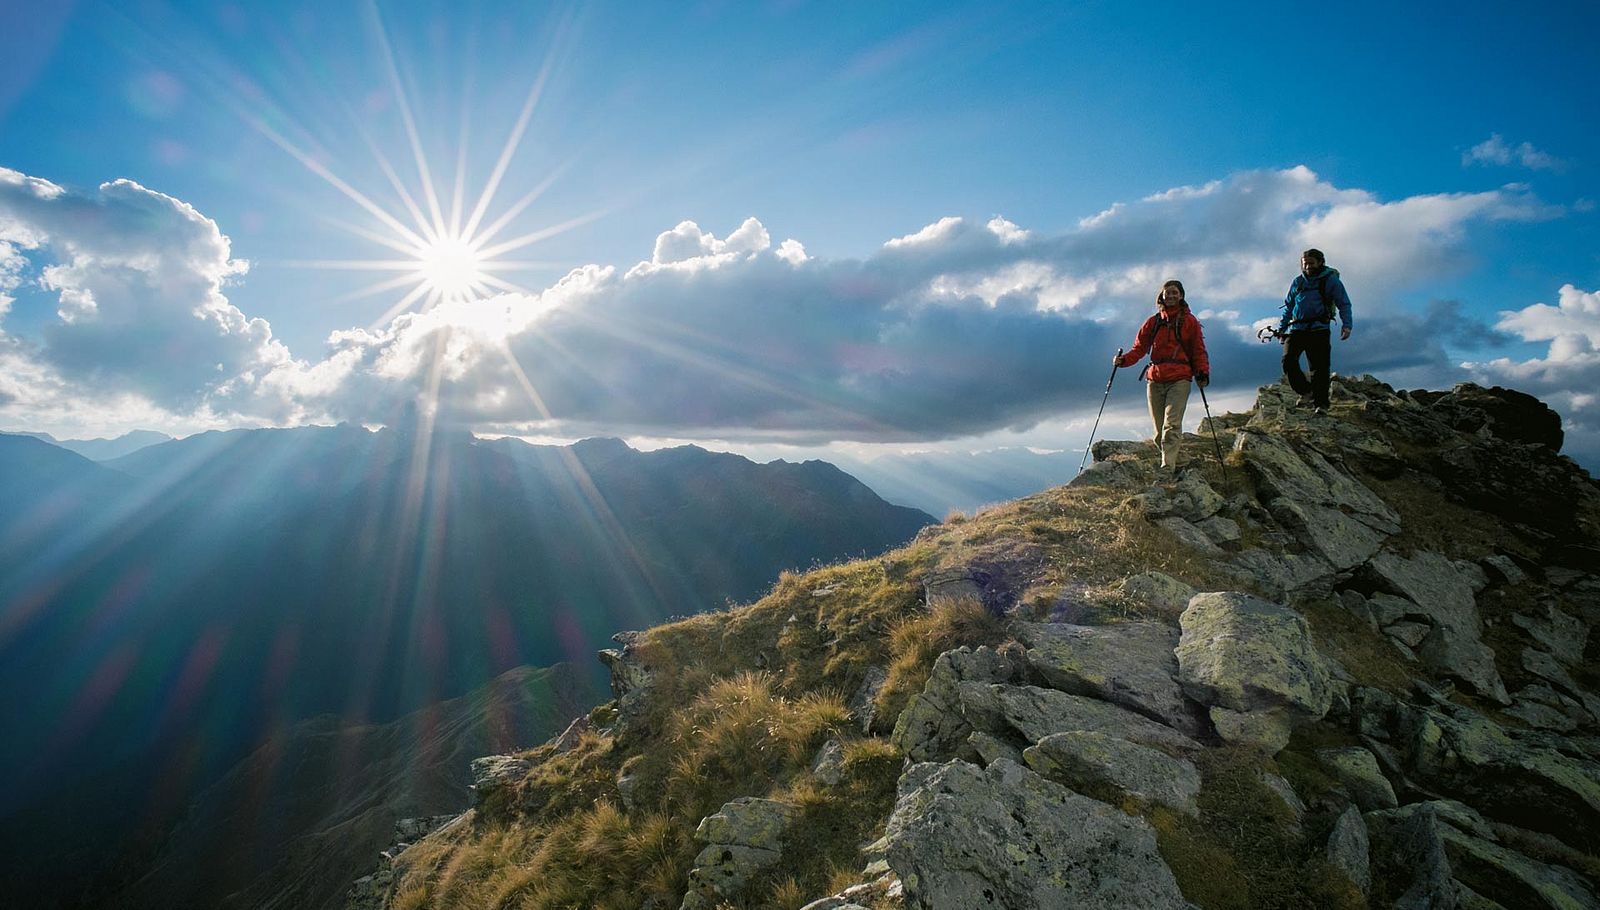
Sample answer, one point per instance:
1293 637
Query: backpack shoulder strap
1187 354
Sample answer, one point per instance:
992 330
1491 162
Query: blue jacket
1304 310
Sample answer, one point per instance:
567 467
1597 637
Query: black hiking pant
1317 346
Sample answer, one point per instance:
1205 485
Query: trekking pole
1102 411
1214 440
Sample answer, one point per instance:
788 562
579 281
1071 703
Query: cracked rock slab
1190 536
1036 712
1245 654
1128 664
1349 848
1084 759
1452 859
1443 590
962 838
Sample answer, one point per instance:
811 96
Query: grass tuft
1242 853
915 641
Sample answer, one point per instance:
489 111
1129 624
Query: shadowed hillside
313 807
169 610
1355 668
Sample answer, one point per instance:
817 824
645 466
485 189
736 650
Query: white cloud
1495 150
1577 313
938 232
1006 231
957 329
687 247
792 252
139 277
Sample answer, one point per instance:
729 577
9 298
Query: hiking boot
1305 402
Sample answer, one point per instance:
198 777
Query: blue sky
1443 160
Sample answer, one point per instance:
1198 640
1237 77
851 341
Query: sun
452 267
449 248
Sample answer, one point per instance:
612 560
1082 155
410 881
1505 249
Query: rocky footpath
1352 666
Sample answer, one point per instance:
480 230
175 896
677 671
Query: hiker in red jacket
1177 354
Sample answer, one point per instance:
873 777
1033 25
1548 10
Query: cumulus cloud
139 277
688 248
1495 150
959 328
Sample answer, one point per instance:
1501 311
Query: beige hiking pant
1167 401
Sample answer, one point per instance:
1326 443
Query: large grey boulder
1349 848
1543 708
1157 590
1129 664
1330 512
1191 499
1117 464
1306 477
1255 664
1190 536
743 839
494 775
963 838
631 681
1444 592
1357 769
1340 539
1546 667
934 723
1083 759
1224 532
1564 636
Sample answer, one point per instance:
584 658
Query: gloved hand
1344 333
1116 360
1203 379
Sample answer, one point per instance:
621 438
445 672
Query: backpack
1188 356
1330 310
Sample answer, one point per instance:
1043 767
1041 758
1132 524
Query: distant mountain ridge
165 608
103 449
938 482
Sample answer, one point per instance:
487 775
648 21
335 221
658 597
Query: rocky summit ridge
1351 666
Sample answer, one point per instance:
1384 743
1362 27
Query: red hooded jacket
1177 347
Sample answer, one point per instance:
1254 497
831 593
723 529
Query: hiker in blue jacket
1306 326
